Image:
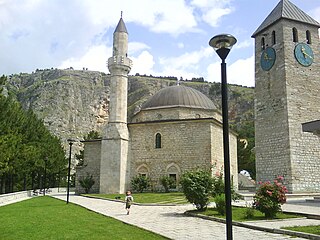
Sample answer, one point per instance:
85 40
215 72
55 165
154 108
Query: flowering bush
270 196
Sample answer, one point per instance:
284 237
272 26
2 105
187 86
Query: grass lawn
163 198
239 214
306 229
49 218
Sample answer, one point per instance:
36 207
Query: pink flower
280 178
269 192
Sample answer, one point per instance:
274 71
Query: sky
166 37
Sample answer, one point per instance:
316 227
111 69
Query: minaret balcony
120 60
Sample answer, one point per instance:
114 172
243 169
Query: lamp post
45 175
222 44
71 141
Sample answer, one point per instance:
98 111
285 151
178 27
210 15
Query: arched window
295 35
263 44
308 36
273 37
158 140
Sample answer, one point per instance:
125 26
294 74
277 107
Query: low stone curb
259 228
134 203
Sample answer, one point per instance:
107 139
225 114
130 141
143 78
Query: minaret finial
121 13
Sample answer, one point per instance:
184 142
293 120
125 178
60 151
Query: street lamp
71 141
45 175
222 44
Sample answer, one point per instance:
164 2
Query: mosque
176 130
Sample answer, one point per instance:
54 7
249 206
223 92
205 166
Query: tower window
308 36
263 44
273 37
295 35
158 140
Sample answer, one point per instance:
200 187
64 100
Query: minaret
114 146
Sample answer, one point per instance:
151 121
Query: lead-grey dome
178 96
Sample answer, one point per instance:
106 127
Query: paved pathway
170 221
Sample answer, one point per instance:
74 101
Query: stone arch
143 169
173 167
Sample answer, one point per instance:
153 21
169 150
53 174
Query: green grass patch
315 229
160 198
49 218
239 214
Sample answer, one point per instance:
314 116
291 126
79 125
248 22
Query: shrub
249 212
87 183
218 187
140 183
197 186
218 184
167 182
220 204
270 196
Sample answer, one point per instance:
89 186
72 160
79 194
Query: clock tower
287 89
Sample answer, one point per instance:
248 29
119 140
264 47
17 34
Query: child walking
128 200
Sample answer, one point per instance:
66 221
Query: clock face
268 58
303 54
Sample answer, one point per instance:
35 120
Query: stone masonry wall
91 166
303 106
186 145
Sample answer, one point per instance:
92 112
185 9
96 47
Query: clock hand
305 54
266 57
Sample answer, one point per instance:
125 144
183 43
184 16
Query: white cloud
213 10
136 47
180 45
187 61
160 16
245 44
143 64
94 59
240 72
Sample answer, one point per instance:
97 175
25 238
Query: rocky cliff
73 102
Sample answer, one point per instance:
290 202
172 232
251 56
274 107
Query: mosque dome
178 96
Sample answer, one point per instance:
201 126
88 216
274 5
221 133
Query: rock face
74 102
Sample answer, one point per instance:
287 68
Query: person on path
128 199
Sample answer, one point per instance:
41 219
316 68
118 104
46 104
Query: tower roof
121 27
285 10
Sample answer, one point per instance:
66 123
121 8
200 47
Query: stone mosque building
177 129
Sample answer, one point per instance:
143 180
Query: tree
92 135
87 182
197 186
246 154
25 143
